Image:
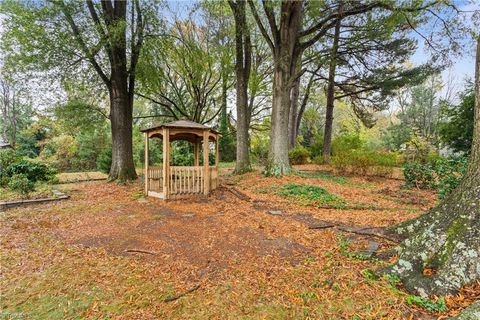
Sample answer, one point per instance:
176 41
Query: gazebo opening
198 175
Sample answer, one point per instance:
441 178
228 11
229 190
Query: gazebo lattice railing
182 180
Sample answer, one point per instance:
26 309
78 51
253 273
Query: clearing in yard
256 248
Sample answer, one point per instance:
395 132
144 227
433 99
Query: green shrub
60 152
299 155
365 162
316 148
346 143
449 174
104 160
21 184
442 174
419 175
33 171
7 157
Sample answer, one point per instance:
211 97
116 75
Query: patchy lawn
42 190
70 177
251 250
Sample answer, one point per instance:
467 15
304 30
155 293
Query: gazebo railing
182 180
155 179
186 180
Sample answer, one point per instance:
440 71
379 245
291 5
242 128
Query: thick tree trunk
243 159
121 99
327 135
292 124
122 168
286 55
447 238
242 69
111 25
278 158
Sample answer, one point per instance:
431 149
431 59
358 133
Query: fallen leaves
78 255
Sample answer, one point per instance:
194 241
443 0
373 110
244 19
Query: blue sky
462 66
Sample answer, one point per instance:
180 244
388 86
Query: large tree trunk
121 98
121 116
278 157
447 238
242 69
327 136
111 26
286 55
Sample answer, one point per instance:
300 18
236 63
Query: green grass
310 195
226 165
42 190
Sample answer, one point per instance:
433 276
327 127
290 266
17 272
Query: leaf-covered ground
248 251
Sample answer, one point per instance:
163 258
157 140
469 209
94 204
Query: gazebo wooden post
217 157
166 163
196 150
206 169
145 167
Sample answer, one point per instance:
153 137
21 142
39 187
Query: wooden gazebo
181 180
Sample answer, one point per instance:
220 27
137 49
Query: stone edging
16 203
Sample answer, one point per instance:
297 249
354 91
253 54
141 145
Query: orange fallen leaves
249 263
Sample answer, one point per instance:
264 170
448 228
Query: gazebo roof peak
185 124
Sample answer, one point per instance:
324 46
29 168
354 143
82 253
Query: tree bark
286 55
292 124
327 136
303 105
121 99
121 113
120 81
242 69
447 238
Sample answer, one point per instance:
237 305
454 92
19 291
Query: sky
461 68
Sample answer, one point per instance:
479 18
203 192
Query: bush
260 148
104 160
298 155
346 143
449 174
365 162
419 175
442 174
316 148
60 152
21 184
33 171
7 157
